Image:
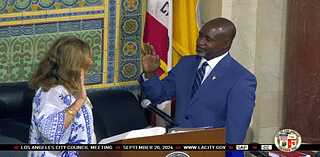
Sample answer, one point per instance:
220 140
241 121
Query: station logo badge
178 154
287 140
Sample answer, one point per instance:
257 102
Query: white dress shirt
212 63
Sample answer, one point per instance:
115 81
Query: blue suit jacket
225 99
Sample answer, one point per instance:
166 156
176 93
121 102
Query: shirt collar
213 62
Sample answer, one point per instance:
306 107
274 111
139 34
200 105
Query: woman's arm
73 109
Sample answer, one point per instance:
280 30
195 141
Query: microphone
147 104
259 153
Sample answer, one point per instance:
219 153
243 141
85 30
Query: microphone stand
168 126
169 121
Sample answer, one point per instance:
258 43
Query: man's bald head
215 38
224 25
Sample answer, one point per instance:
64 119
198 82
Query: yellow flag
185 29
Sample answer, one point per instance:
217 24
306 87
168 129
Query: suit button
186 118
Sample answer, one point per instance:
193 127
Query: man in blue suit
226 96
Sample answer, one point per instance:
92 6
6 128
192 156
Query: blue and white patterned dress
48 119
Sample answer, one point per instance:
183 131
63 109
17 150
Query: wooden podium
209 136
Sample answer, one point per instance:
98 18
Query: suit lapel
215 75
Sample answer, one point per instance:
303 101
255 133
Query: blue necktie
199 77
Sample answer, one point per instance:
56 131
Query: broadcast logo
287 140
177 154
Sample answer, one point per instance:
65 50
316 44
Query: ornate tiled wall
113 28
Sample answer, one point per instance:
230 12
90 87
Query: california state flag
156 31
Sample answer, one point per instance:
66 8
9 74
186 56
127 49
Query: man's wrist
149 75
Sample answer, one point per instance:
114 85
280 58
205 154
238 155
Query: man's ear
227 44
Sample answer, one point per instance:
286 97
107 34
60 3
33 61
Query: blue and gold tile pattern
113 28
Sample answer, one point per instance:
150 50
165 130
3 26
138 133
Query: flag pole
169 64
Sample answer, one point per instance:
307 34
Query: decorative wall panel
111 27
130 40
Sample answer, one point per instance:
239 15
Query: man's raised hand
150 61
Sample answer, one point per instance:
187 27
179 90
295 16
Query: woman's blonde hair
62 65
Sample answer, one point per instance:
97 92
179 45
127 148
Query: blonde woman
61 110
